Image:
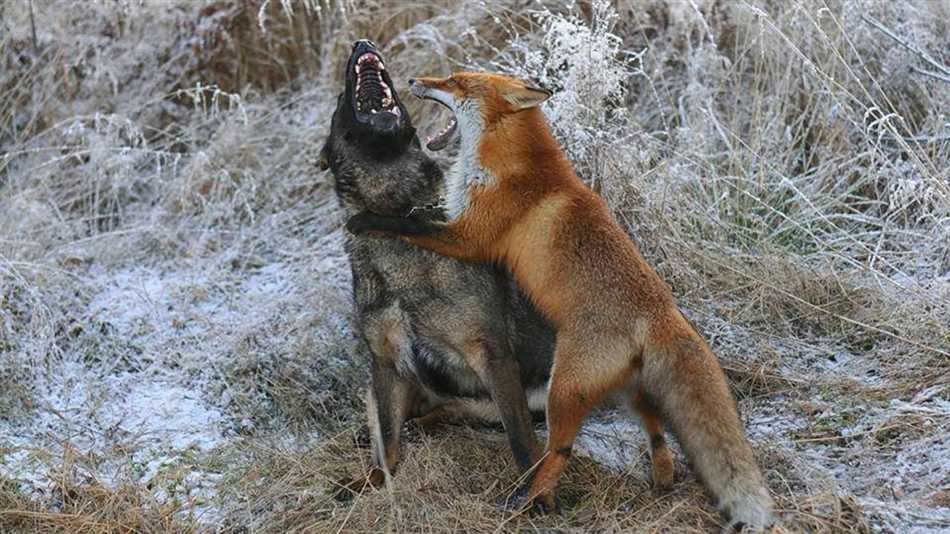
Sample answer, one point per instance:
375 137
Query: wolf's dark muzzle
364 45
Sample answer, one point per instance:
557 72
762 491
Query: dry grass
75 502
175 338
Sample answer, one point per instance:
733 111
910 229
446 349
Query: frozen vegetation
176 345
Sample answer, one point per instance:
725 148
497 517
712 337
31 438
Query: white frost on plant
584 64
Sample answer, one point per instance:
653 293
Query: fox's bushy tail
683 378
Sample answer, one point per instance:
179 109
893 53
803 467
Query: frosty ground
176 339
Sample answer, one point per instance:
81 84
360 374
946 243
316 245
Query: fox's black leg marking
364 222
444 239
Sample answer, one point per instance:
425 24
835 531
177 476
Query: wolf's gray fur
443 337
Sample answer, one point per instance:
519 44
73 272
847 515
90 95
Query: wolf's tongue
441 140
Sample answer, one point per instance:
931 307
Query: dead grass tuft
77 503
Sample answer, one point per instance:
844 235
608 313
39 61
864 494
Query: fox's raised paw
362 223
370 223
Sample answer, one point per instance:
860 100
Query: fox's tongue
441 140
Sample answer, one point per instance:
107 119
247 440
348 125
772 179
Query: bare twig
943 71
937 75
36 46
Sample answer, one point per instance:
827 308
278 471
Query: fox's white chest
467 171
462 177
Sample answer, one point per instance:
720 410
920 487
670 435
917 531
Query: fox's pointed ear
525 97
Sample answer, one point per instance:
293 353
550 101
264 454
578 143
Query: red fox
512 197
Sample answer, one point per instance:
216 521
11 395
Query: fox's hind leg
660 454
582 375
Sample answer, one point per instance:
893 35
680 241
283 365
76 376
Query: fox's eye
451 82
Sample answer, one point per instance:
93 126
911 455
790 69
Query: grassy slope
175 349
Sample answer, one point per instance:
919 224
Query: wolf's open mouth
373 94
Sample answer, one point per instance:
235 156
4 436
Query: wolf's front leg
446 239
390 400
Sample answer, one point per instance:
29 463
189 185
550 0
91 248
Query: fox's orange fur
619 329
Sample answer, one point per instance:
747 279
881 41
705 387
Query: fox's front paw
387 225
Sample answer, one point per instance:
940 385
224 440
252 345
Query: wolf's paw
347 488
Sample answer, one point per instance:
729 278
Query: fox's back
562 242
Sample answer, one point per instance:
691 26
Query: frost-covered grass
176 347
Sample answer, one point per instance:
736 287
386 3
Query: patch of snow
613 440
157 419
167 413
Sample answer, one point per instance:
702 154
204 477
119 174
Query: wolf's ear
526 96
323 161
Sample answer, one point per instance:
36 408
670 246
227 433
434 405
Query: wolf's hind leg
429 420
501 374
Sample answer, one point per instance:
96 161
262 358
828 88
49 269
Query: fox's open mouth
440 140
372 94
